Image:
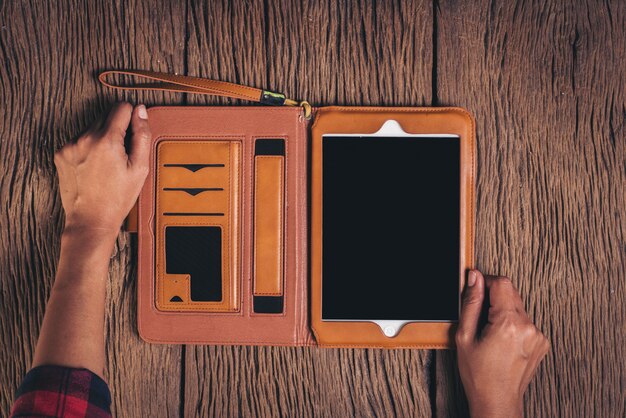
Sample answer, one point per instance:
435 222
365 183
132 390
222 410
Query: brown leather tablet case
230 216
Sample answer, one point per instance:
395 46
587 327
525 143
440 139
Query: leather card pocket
197 222
196 253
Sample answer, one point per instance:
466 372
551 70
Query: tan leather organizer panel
197 203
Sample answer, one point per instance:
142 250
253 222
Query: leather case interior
349 120
223 223
209 167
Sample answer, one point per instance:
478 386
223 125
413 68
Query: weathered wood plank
545 81
306 382
327 53
50 53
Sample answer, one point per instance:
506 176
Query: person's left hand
99 182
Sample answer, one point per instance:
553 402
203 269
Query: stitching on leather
193 305
224 84
191 90
186 109
200 79
280 223
436 110
285 225
254 232
178 82
303 330
379 347
226 304
249 236
237 279
379 109
226 258
298 344
187 295
286 298
281 243
198 138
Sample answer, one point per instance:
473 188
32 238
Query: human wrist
78 240
80 231
512 409
85 254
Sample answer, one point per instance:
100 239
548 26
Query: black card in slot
197 251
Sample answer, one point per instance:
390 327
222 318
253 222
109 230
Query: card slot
268 304
195 274
191 214
198 230
208 202
196 251
183 179
194 167
269 147
193 191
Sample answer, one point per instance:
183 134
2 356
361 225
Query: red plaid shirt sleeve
55 391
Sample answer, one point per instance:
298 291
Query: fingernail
471 279
141 111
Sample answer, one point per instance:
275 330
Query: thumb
140 139
473 296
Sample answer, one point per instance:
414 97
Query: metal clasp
277 99
304 104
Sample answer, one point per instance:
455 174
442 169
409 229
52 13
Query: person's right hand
497 361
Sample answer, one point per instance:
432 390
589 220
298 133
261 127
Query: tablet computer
390 227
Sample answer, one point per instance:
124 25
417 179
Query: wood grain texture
545 81
327 53
306 382
49 55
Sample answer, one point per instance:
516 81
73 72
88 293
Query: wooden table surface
546 81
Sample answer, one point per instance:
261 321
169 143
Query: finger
502 294
93 128
140 139
473 297
117 122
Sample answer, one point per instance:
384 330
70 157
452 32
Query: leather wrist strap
188 84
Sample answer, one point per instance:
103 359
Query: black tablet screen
390 228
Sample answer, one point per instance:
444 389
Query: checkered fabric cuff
55 391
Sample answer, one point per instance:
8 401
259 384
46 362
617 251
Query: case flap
364 120
191 202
